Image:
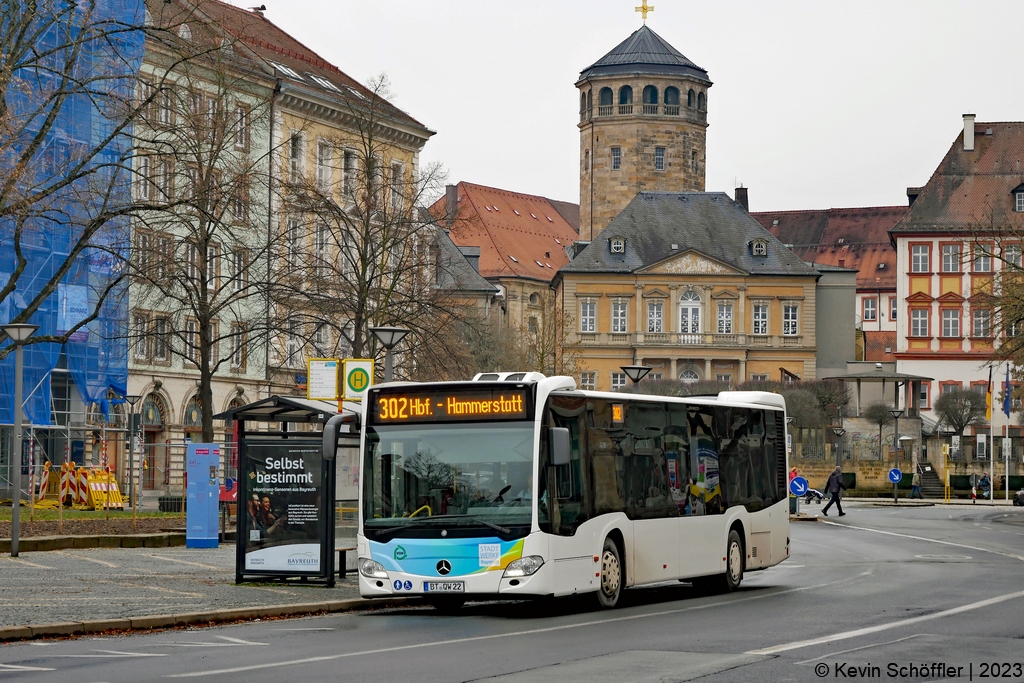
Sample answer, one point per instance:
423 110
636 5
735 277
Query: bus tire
610 587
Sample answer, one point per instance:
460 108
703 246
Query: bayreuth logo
444 567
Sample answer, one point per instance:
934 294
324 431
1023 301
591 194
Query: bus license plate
444 586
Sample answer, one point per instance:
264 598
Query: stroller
813 495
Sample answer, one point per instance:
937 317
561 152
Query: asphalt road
882 593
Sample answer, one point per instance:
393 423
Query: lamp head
19 332
896 413
636 372
133 399
389 336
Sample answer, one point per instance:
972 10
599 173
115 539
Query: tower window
616 158
605 97
693 162
650 95
659 158
691 98
586 160
701 102
671 95
625 95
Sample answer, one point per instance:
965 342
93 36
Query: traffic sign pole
895 476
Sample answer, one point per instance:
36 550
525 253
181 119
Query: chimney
472 254
968 132
451 203
741 198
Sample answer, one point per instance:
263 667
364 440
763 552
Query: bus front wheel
610 588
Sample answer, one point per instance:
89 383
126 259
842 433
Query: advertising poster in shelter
286 510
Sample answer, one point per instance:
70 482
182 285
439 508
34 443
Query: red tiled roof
972 191
271 43
851 238
880 346
519 235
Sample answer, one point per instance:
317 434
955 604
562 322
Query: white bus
519 485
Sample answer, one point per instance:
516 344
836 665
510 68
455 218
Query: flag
1007 393
988 397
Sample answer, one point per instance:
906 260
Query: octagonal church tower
643 123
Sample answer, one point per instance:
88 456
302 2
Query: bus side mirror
342 423
558 437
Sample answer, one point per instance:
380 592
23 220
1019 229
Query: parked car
1018 498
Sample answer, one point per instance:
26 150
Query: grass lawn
47 515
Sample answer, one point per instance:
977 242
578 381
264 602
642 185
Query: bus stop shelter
289 487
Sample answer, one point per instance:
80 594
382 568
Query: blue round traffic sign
895 475
798 486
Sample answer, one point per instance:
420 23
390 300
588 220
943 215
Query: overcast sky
815 103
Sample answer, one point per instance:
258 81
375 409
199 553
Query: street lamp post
389 338
132 399
18 333
896 451
636 372
839 431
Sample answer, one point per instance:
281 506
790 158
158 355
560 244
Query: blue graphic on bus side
466 555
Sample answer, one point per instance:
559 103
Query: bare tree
543 339
960 409
878 413
201 253
358 251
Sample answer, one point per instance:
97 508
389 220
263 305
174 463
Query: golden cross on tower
644 8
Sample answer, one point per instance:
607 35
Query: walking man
915 486
832 487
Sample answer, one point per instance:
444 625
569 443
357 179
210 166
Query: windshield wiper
426 520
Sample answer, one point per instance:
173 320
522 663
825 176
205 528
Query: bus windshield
465 474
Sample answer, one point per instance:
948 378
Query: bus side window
564 487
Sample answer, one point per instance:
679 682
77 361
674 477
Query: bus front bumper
489 584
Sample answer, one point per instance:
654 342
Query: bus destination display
499 403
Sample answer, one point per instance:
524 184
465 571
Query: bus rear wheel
610 588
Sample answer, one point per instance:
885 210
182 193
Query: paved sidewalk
118 583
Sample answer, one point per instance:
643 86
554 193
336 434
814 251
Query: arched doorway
689 312
154 448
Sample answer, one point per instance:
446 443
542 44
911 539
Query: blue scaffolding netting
110 41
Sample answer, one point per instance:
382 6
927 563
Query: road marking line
862 647
473 639
194 564
885 627
112 654
76 556
238 641
13 667
19 560
922 538
303 629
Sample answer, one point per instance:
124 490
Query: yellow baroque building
691 285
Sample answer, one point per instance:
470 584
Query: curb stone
13 633
43 543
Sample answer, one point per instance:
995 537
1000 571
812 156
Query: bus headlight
371 569
524 566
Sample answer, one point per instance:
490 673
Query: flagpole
992 438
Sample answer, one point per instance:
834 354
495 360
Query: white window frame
725 317
296 156
349 171
323 165
919 256
588 380
951 318
212 266
238 339
870 309
397 187
893 307
1012 255
659 158
791 319
655 316
981 323
982 259
239 270
161 339
616 158
241 125
293 240
588 315
618 380
919 322
620 316
760 319
694 312
1018 204
952 258
140 325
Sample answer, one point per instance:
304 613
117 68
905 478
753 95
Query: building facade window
161 340
140 332
689 375
982 322
951 322
919 322
618 380
238 347
790 319
1012 256
616 158
397 187
241 127
689 312
760 319
588 315
923 402
239 269
949 387
588 380
870 309
295 157
951 258
212 267
1018 204
759 377
982 259
619 316
323 165
294 241
192 341
725 318
659 158
655 316
350 166
892 307
919 261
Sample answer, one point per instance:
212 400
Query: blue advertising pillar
203 489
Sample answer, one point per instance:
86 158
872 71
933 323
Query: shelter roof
880 375
856 238
519 235
644 52
287 409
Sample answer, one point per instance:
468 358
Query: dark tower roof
644 52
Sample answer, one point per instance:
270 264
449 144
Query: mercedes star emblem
444 567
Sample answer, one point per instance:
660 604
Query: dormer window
759 248
1018 198
618 245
